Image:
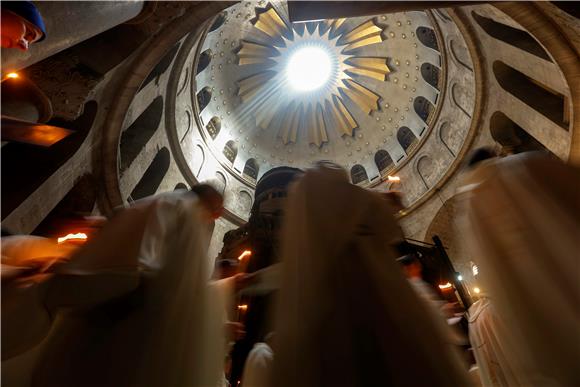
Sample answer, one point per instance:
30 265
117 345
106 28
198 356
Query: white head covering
346 315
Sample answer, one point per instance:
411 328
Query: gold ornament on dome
273 102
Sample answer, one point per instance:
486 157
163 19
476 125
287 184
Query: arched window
180 186
512 36
423 107
219 21
230 151
153 176
512 137
383 160
203 98
430 74
358 174
406 138
213 127
251 169
531 92
204 59
220 182
161 67
427 36
136 136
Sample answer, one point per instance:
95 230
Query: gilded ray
315 126
290 123
254 53
271 23
334 25
369 67
251 85
264 117
347 121
365 99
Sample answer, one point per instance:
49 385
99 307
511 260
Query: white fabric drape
346 315
523 225
258 366
127 327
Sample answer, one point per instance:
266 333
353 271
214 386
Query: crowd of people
139 304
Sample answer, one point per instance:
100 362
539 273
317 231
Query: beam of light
245 254
12 75
80 236
308 68
445 286
393 178
475 270
477 290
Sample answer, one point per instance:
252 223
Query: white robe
522 223
346 315
139 311
258 366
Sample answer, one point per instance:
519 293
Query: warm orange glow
243 307
445 286
393 178
12 75
245 254
80 236
476 290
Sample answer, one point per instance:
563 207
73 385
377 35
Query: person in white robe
346 315
522 223
258 366
134 306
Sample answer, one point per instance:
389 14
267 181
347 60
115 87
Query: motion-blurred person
22 25
138 308
258 367
346 315
522 222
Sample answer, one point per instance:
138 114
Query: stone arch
220 182
406 138
136 136
512 137
231 151
153 176
358 174
245 201
449 138
423 107
431 74
427 36
426 168
542 99
36 164
213 127
251 169
180 186
513 36
383 161
79 201
161 66
203 98
204 60
198 160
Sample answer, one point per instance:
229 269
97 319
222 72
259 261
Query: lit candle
78 237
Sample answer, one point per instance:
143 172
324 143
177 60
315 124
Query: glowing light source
243 307
80 236
459 277
445 286
308 68
477 290
245 254
393 178
475 270
12 75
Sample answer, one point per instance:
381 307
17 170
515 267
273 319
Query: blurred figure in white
134 305
346 315
522 222
258 367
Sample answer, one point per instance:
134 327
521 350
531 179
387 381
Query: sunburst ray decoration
309 113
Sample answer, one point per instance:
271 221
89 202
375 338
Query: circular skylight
308 68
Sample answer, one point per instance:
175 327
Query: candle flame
245 254
243 307
12 75
393 178
476 290
445 286
80 236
